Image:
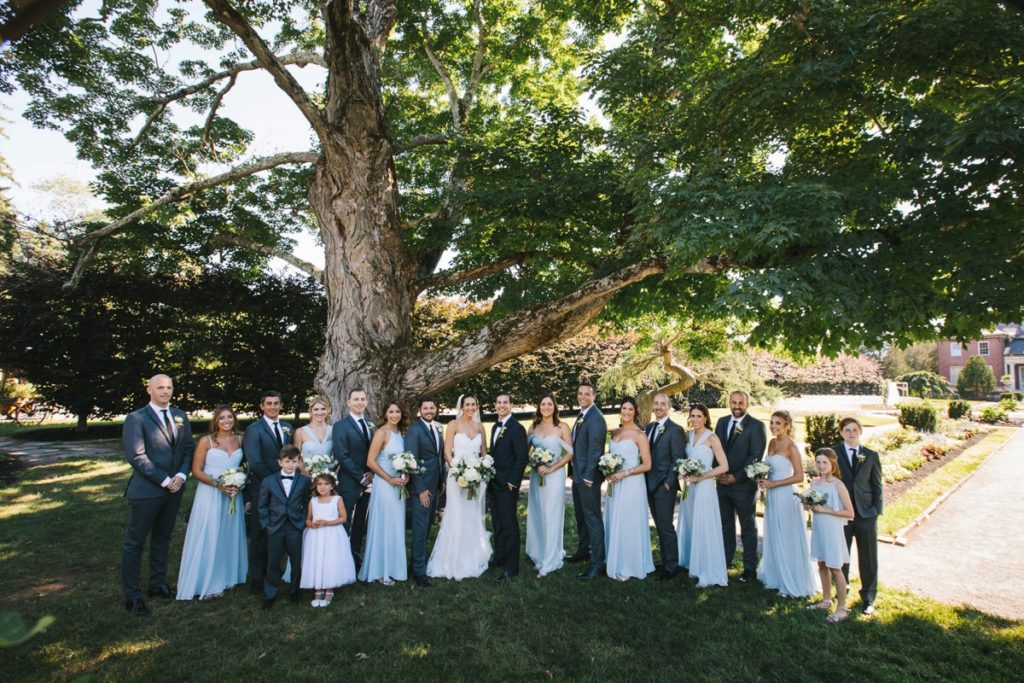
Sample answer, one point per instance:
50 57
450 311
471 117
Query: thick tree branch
479 70
420 141
454 103
231 18
378 18
451 278
214 106
306 267
687 378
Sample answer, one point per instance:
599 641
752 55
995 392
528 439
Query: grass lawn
61 528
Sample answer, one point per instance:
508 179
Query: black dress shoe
504 576
295 597
163 591
578 557
423 581
747 576
589 575
267 603
136 607
662 575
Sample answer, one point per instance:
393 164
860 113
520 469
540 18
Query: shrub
822 431
1015 395
958 409
993 415
898 438
1008 403
921 417
976 379
926 384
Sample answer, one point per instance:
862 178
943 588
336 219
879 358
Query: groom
508 448
158 445
588 437
350 438
668 446
424 440
744 437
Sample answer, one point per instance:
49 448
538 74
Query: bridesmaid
784 564
214 556
627 532
315 437
701 521
545 509
828 538
384 560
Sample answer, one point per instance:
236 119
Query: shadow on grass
65 561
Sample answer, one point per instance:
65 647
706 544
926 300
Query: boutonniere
178 422
437 429
861 457
501 432
661 429
286 429
738 429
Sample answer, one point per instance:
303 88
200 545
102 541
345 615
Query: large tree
822 174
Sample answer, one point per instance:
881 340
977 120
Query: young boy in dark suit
282 514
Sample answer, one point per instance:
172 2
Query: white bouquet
320 464
407 464
233 476
812 497
470 471
609 464
759 471
538 457
689 467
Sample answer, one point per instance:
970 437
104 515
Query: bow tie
287 476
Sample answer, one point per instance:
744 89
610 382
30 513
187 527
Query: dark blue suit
662 484
740 499
350 446
588 442
154 455
283 518
261 451
428 448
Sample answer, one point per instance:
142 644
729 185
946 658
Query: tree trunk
83 422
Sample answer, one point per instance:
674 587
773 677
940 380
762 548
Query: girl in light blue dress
384 560
214 557
828 538
785 565
701 521
545 509
627 532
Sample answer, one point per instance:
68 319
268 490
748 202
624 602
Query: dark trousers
422 518
286 540
257 535
153 517
587 502
739 500
506 526
662 504
357 504
866 533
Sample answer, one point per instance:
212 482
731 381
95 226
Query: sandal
837 616
824 604
317 599
386 582
328 596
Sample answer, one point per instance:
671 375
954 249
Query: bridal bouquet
321 464
609 464
689 467
759 471
407 464
233 476
540 456
470 471
812 497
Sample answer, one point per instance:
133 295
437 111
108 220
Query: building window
983 348
954 349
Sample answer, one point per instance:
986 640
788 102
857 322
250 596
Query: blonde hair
321 401
787 418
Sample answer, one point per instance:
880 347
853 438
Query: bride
463 547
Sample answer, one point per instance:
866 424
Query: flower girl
326 553
828 541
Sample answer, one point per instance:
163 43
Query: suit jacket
276 509
863 480
669 448
150 451
510 453
261 450
588 442
745 448
421 443
350 448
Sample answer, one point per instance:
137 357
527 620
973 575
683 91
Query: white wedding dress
462 548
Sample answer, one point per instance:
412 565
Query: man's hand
425 499
726 479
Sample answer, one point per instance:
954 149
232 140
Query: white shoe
317 603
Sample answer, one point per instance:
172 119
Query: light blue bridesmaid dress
828 537
703 522
313 446
385 533
785 562
545 510
214 556
627 533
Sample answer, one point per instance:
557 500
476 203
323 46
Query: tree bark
83 423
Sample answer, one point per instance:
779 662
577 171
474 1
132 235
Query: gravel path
969 551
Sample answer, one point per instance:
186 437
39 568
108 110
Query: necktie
168 426
362 426
579 421
732 430
653 436
853 457
277 435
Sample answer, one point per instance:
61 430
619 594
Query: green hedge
921 417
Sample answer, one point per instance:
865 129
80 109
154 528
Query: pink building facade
1002 348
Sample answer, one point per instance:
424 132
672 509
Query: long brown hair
537 417
217 412
403 422
832 458
704 411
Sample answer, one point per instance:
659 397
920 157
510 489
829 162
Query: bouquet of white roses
233 476
470 471
320 464
812 497
407 464
609 464
538 457
759 471
689 467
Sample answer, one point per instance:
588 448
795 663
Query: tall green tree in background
824 175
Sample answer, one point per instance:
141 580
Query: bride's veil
458 410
